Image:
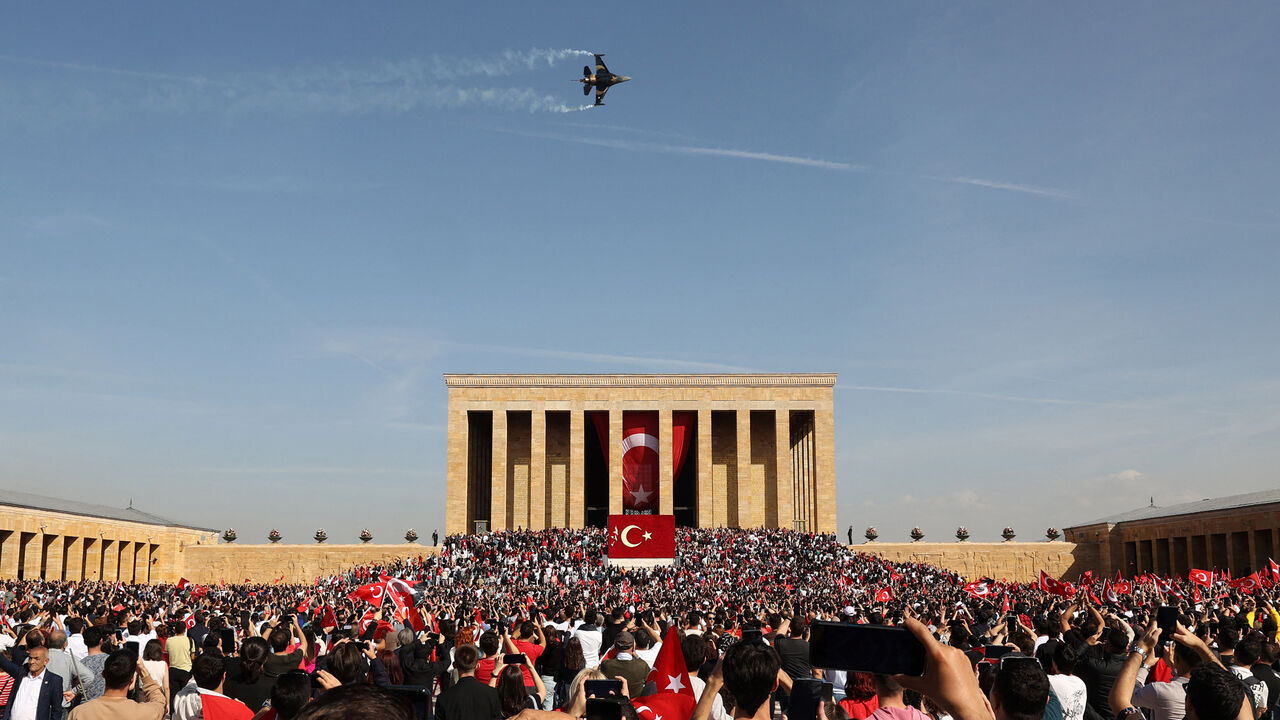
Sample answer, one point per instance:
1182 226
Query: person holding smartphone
513 696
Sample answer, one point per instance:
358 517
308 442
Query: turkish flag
183 583
406 601
1056 587
1274 568
978 589
1004 605
664 705
1122 587
642 536
1109 593
199 591
669 673
329 619
1200 577
373 593
1248 582
884 595
640 460
189 621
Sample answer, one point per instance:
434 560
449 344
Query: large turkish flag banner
640 461
642 536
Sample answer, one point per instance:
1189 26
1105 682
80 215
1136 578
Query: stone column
110 561
53 562
9 554
73 554
614 443
31 558
498 519
824 436
576 510
538 468
666 468
92 558
750 498
783 487
706 498
456 517
1253 549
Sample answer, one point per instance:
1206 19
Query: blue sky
240 244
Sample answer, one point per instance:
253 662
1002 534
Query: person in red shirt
860 696
523 643
489 644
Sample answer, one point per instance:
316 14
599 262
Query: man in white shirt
30 699
75 641
590 637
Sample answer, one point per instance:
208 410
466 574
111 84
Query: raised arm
1122 691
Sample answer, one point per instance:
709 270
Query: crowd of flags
1215 584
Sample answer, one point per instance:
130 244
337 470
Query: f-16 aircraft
602 80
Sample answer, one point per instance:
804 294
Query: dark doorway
595 476
685 493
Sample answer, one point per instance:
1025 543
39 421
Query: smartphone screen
1167 621
806 693
513 659
865 648
1014 659
134 649
228 641
603 708
995 652
602 688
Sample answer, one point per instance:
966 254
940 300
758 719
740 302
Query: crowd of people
519 625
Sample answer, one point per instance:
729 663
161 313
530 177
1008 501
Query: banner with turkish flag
406 601
1274 569
1200 577
1057 587
183 583
642 536
641 454
1122 587
373 593
669 674
884 595
1248 582
978 589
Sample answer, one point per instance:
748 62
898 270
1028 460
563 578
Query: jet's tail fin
586 89
586 71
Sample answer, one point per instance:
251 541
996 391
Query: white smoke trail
567 109
511 61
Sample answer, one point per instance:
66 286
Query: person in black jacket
415 660
468 699
49 700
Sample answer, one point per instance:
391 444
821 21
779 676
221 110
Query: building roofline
29 501
1196 507
465 380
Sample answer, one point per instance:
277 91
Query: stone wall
1017 561
210 564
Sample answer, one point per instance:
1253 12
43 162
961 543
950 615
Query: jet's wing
600 67
600 94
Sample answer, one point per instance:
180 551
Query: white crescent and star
639 439
623 537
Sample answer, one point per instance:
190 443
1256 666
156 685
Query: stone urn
411 536
274 536
1052 533
230 535
1008 534
321 535
916 534
365 535
871 534
962 533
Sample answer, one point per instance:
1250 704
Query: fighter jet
602 80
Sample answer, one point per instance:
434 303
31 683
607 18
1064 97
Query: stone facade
233 563
1239 533
1013 561
38 543
763 447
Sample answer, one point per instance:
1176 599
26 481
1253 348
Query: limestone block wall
1016 561
210 564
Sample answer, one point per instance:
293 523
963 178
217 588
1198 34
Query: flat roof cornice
453 380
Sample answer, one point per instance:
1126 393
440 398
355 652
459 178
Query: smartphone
995 652
513 659
228 641
244 616
1167 621
601 688
806 693
1008 660
1011 623
599 708
865 648
134 648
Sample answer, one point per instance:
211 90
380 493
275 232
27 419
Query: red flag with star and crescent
978 589
373 593
1203 578
669 674
884 595
642 536
1057 587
